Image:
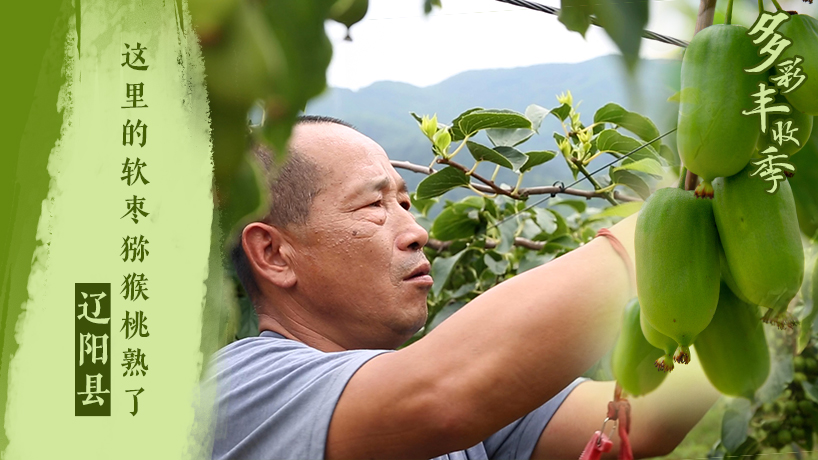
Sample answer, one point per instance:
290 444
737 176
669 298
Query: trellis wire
556 11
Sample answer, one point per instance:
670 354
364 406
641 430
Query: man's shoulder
273 357
263 346
283 385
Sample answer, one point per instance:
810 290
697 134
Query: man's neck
298 332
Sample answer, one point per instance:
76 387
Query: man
338 278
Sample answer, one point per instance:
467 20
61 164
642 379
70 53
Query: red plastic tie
598 445
620 410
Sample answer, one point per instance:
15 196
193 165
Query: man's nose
414 237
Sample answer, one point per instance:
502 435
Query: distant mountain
381 110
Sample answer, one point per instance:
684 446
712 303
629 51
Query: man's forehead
352 157
332 140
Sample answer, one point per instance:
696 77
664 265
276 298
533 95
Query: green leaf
508 230
457 134
490 206
429 126
575 15
562 225
424 222
561 112
537 158
577 205
810 390
810 311
298 26
422 206
532 259
496 267
442 270
620 210
517 158
482 153
780 376
487 279
531 230
464 289
470 202
442 139
441 182
429 5
612 141
632 121
645 165
546 220
448 310
624 21
470 123
563 243
632 181
508 137
452 225
735 423
669 156
749 448
536 114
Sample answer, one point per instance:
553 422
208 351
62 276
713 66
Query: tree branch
438 245
491 185
523 192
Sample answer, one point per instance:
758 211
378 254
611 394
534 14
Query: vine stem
459 147
728 18
473 189
517 187
592 126
496 170
596 184
682 177
707 8
777 6
760 7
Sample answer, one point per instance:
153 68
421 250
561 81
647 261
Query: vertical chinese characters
772 167
135 248
92 338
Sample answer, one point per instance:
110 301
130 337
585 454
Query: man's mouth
421 275
422 270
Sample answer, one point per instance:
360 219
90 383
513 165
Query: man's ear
268 254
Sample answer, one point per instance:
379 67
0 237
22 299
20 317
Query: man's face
360 243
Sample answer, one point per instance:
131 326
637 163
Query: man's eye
376 203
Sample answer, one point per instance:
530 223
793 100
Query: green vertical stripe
32 35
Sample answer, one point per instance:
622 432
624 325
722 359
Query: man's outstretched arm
501 356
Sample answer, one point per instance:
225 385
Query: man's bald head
292 188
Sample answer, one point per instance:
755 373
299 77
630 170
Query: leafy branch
438 245
521 193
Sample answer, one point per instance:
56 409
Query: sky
397 42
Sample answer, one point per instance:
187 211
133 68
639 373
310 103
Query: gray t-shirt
276 397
